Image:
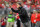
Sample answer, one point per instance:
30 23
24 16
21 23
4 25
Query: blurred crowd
20 13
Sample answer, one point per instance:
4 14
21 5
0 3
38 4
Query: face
34 12
22 4
14 13
10 12
18 5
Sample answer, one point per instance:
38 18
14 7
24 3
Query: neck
20 8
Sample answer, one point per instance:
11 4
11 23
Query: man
22 13
34 18
27 8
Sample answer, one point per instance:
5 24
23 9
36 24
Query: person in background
38 20
1 5
10 20
3 23
34 18
22 14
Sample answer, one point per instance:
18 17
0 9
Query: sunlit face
10 12
18 5
34 12
22 4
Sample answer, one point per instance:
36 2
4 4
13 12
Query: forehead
10 11
17 3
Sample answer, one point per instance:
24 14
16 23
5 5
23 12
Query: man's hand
17 15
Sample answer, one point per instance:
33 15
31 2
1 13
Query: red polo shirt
34 19
39 16
3 23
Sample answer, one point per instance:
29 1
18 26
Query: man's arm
16 11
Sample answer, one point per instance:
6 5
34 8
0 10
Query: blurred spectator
14 6
38 20
3 23
1 6
10 20
34 18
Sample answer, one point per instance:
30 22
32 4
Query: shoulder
23 9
